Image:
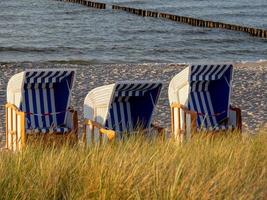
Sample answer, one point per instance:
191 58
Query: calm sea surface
47 30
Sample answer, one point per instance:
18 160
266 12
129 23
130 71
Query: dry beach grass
225 167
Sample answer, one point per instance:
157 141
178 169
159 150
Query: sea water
47 30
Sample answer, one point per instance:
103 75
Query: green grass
227 167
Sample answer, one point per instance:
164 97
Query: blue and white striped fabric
209 94
209 72
132 105
45 99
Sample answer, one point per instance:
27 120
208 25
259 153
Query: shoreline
249 86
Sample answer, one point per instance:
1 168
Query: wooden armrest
184 108
181 129
13 107
12 127
110 133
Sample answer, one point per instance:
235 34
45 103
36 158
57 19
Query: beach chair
38 105
115 110
200 98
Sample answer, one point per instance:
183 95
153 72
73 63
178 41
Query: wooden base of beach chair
109 133
17 139
181 130
101 131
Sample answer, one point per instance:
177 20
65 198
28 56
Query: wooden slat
6 108
23 130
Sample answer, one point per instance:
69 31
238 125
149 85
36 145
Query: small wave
26 49
253 61
75 62
261 60
36 50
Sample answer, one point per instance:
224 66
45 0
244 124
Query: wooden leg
92 127
172 120
23 132
7 127
84 134
11 129
185 131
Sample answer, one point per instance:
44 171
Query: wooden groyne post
87 3
256 32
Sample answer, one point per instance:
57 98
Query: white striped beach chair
200 100
38 104
123 107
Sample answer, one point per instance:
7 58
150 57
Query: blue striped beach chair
120 108
200 100
38 104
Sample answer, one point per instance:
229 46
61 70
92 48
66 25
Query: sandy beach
249 86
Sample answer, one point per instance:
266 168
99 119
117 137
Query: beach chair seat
119 109
38 103
200 97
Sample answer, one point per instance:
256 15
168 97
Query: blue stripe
43 78
29 75
195 69
62 75
217 75
204 123
50 78
205 74
119 125
36 78
27 108
34 109
192 101
42 106
49 106
200 72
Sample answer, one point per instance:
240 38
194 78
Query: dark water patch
39 50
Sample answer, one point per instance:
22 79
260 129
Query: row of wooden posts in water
256 32
92 4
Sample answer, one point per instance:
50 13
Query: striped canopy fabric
209 72
132 105
209 94
45 99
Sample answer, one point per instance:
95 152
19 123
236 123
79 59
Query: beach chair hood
44 96
124 105
205 89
